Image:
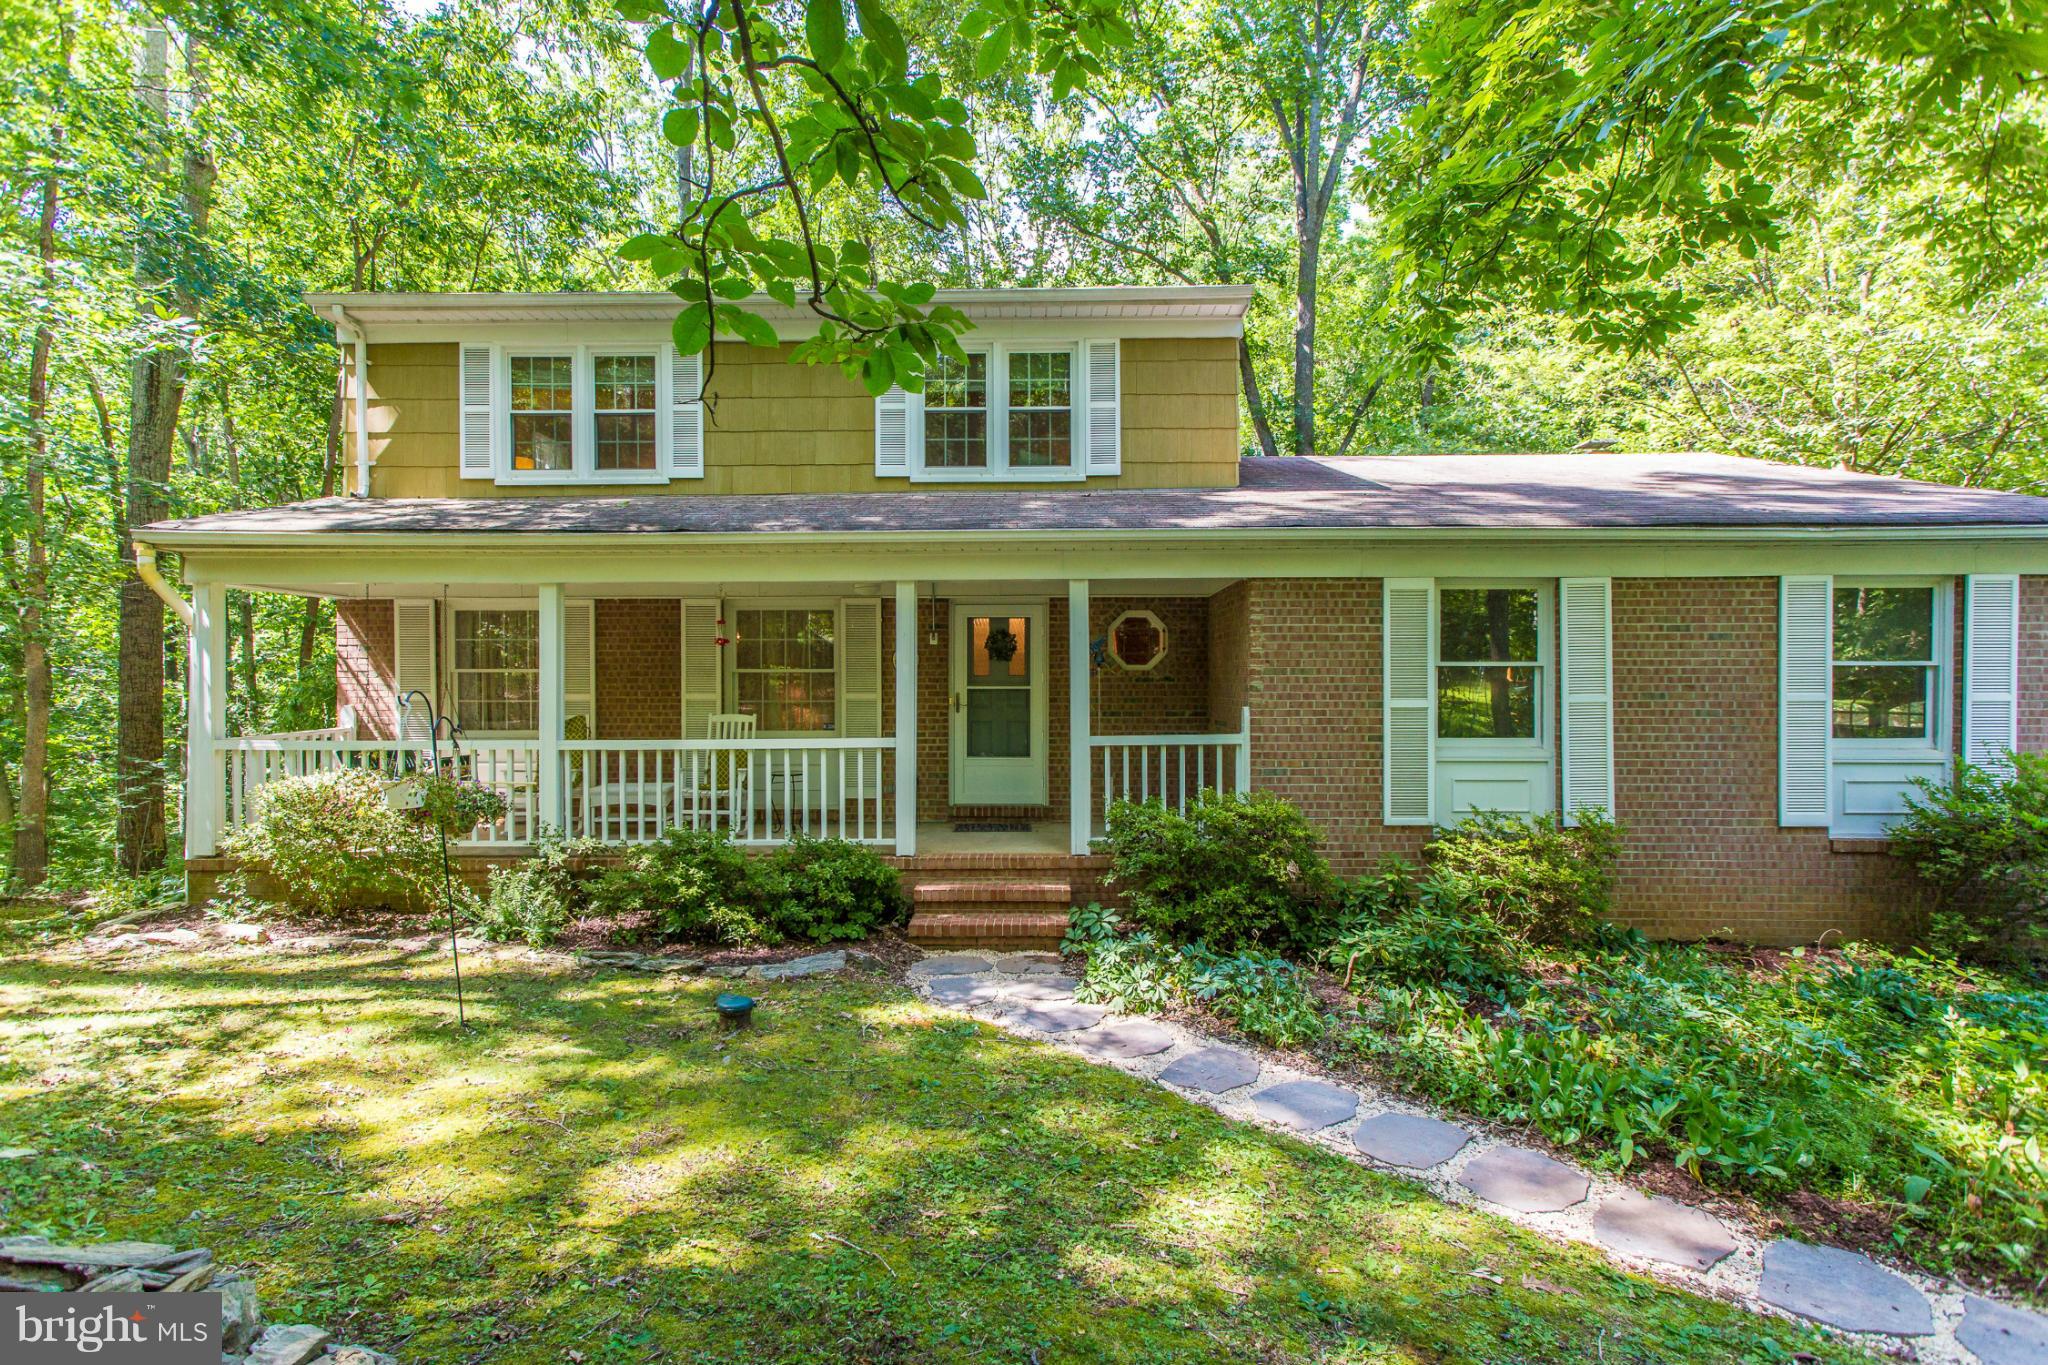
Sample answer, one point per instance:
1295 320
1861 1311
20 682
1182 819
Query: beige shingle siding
777 427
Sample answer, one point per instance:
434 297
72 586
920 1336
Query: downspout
343 323
146 570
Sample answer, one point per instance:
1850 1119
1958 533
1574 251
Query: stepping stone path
1841 1289
1213 1070
1517 1178
1662 1230
2000 1335
1305 1106
1410 1140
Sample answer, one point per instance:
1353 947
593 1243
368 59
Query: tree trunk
1308 228
31 861
1255 402
156 392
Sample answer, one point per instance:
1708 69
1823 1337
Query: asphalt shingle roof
1451 492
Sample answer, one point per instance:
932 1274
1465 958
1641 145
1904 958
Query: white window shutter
1408 621
412 667
1586 671
682 436
1991 654
860 667
703 664
895 418
579 664
1806 644
479 411
1105 425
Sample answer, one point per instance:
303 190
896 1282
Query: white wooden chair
724 786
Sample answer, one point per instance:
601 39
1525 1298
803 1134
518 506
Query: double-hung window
581 414
1493 699
785 668
1008 411
494 672
1886 667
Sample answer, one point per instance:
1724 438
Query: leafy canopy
772 106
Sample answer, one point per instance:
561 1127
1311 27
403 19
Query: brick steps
1018 915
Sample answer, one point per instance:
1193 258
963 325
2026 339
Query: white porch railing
1170 769
761 790
512 767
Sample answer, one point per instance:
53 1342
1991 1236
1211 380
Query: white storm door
998 705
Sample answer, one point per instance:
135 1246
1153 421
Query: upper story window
1041 404
956 414
623 399
1886 666
1490 650
545 412
1009 410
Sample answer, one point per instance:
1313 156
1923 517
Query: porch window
1489 652
1041 404
543 412
624 412
785 669
496 674
1885 669
956 414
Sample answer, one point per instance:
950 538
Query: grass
598 1175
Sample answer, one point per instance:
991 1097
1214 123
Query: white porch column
1080 757
906 718
206 719
553 681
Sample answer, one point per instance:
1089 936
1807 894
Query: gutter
344 323
146 570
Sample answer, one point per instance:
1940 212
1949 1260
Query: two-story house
727 590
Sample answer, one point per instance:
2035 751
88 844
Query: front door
998 705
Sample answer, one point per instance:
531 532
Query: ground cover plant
598 1173
699 885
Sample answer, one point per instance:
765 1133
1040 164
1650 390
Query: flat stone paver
1530 1182
1036 990
953 964
1305 1106
1843 1289
1213 1070
2000 1335
1061 1018
1410 1140
1661 1229
1029 964
1124 1038
813 965
962 990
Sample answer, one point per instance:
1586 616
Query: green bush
524 903
1233 872
827 889
1981 842
1533 874
694 884
1432 929
330 842
1264 996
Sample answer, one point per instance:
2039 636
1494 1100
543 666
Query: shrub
1235 871
1263 996
1981 842
694 884
1533 874
1433 930
330 842
524 903
826 889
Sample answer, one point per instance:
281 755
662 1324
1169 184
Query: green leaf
646 246
994 52
1917 1187
667 54
825 30
881 31
692 329
732 287
782 291
679 126
748 327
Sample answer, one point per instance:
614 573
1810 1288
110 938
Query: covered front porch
936 717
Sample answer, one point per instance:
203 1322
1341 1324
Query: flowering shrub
329 841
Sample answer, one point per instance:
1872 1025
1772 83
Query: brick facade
363 660
639 654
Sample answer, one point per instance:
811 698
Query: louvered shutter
1805 655
860 667
895 415
1410 701
412 668
683 433
1991 671
479 411
702 662
1586 675
579 664
1105 434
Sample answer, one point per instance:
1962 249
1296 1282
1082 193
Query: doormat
993 827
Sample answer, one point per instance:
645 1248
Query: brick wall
2033 718
363 660
639 668
1170 698
1229 656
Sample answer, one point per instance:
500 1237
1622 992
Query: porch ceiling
985 590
